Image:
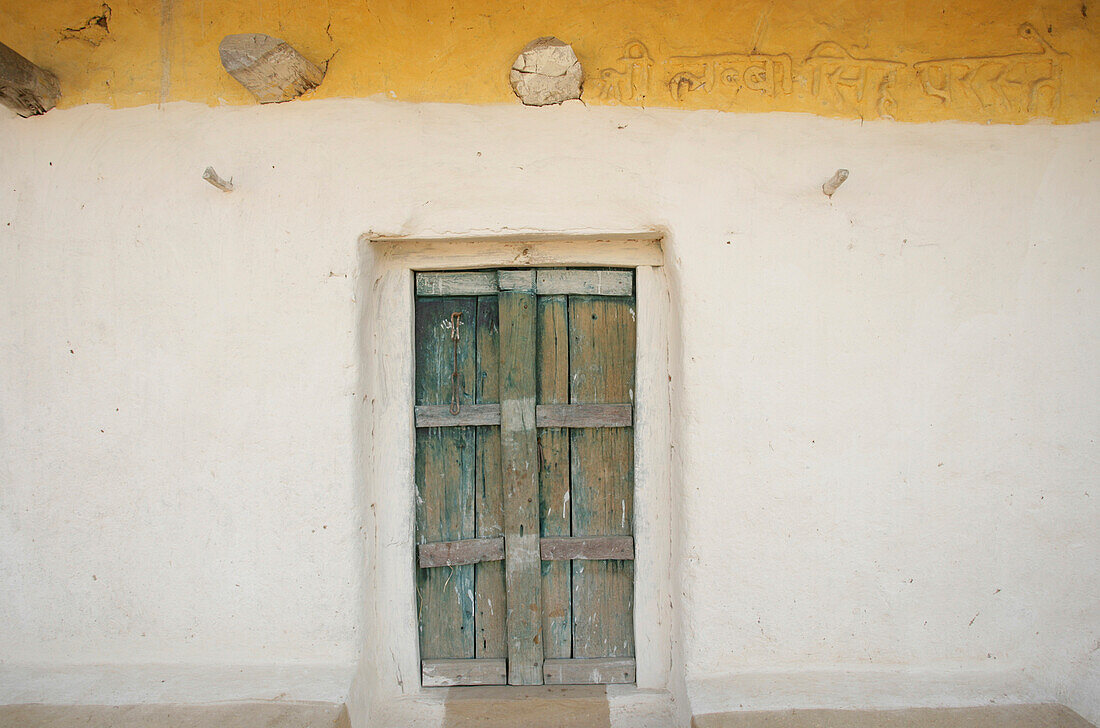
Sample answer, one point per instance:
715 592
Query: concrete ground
529 709
991 716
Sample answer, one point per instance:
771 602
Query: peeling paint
93 31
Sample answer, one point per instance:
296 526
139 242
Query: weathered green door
525 476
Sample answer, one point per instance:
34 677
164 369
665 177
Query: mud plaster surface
571 706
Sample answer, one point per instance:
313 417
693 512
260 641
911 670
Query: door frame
390 667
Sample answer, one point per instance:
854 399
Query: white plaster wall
177 370
885 405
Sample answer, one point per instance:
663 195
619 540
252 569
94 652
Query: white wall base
1083 695
860 687
131 684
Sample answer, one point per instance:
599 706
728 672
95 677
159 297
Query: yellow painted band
1003 61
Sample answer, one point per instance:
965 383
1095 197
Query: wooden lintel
592 548
584 415
268 67
439 415
592 671
24 87
459 553
476 671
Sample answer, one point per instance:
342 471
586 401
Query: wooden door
525 476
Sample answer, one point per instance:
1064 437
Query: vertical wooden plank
601 357
489 597
554 508
444 473
519 469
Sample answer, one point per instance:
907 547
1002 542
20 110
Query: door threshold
531 706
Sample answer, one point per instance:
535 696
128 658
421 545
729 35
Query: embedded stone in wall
547 72
268 67
24 87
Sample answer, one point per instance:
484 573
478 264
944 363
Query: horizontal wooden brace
543 281
457 283
475 671
556 282
546 415
593 671
439 415
459 553
552 548
584 415
516 280
592 548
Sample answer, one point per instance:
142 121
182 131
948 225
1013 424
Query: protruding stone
268 67
833 183
216 179
24 87
547 72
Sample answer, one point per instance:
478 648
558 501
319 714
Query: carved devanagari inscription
838 80
846 82
628 81
1019 82
725 75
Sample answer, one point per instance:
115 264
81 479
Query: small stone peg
212 177
834 182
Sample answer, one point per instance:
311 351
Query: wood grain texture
519 470
592 548
584 415
537 468
589 671
601 359
457 283
444 476
423 253
268 67
554 508
516 280
458 553
25 88
449 673
489 594
553 282
439 415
